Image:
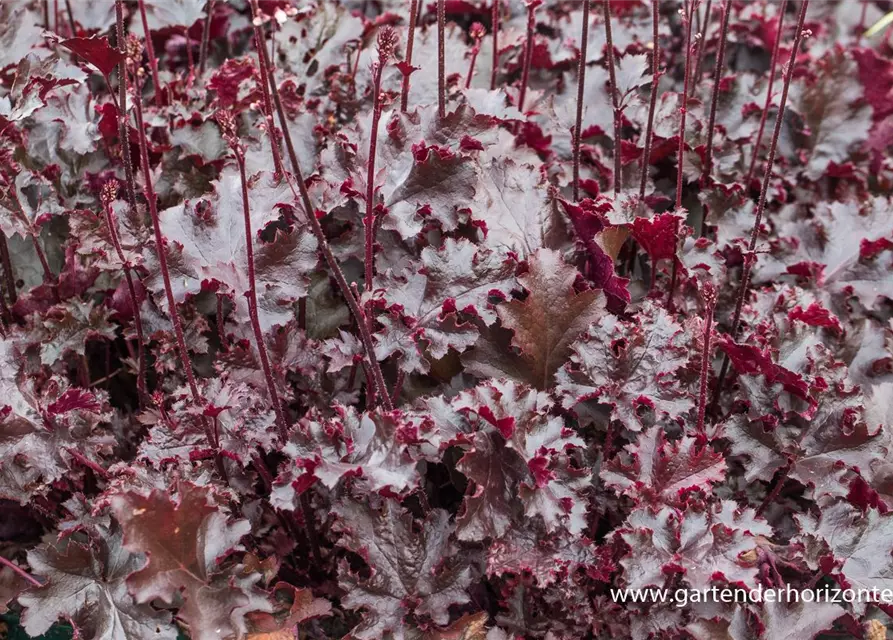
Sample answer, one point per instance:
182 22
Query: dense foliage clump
441 319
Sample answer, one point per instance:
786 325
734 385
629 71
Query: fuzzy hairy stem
206 38
528 54
369 217
134 301
268 106
709 307
765 114
683 111
251 295
126 159
655 76
441 60
410 39
770 497
615 98
310 525
581 81
182 351
27 577
761 203
683 104
130 190
474 58
494 19
700 57
352 302
714 98
150 51
70 14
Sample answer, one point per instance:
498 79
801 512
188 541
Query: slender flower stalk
714 100
27 577
107 197
227 125
70 14
528 50
387 41
581 82
655 76
35 233
680 155
130 191
206 38
683 101
268 106
182 351
410 39
150 50
300 190
441 60
764 115
709 294
615 97
494 19
124 137
476 32
761 203
702 30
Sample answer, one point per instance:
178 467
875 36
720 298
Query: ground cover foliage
442 319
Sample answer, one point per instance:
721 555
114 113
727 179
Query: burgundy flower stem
495 26
220 321
149 193
410 39
206 38
528 52
81 459
130 190
310 525
134 301
761 203
441 60
615 98
714 99
709 307
70 14
782 475
27 577
477 32
581 82
268 106
251 295
8 275
703 39
683 111
315 226
398 387
46 15
764 115
683 104
386 43
150 51
126 158
655 76
41 256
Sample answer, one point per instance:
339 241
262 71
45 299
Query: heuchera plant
444 319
